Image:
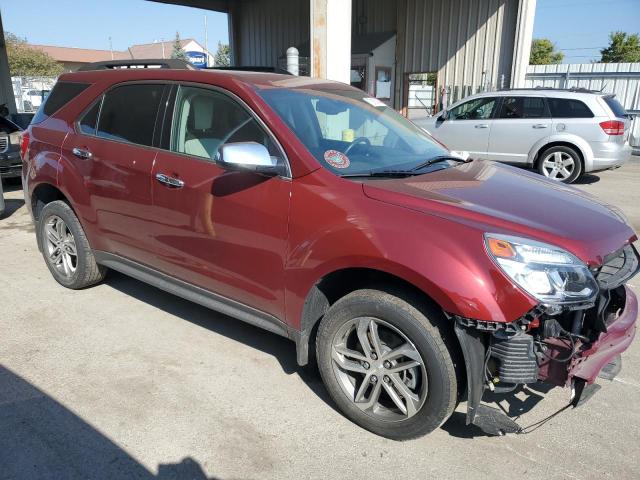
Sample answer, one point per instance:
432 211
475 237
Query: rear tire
422 379
560 163
65 247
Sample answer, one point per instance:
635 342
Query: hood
503 199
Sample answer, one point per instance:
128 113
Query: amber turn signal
501 248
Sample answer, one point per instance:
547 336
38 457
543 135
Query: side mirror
444 115
248 156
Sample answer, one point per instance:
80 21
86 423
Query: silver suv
561 133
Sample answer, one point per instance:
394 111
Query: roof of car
561 92
253 79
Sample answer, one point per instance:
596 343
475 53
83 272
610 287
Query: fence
623 79
29 92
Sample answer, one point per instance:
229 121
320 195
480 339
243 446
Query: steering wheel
357 141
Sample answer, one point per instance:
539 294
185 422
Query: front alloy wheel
387 360
379 369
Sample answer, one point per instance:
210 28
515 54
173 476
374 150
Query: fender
578 142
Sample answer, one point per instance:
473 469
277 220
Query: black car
10 163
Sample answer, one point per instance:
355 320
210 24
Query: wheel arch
338 283
577 144
43 194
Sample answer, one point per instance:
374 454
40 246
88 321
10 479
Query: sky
90 23
580 28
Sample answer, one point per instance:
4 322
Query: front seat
200 138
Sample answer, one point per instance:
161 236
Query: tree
543 52
622 47
178 51
26 61
222 58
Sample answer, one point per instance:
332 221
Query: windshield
350 133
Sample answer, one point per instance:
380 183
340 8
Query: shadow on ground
587 179
10 207
279 347
42 439
513 405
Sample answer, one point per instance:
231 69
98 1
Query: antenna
111 47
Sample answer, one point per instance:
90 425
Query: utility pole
206 40
111 47
162 42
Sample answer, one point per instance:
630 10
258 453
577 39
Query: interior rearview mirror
250 156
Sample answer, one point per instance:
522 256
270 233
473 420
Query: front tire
387 364
561 164
65 247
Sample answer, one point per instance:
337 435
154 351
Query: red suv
316 212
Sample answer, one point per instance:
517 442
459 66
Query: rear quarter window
615 106
62 93
568 108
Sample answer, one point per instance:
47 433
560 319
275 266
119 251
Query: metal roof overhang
215 5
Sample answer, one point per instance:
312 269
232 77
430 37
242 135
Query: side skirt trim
193 293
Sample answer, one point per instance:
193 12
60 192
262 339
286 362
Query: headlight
550 274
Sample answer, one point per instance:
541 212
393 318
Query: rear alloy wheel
386 364
562 164
65 247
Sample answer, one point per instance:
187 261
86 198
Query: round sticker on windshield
336 159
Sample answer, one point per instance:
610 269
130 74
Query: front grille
4 143
618 268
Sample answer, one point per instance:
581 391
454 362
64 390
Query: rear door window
129 113
88 122
523 107
569 108
62 93
615 106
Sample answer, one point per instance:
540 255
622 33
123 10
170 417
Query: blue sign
197 59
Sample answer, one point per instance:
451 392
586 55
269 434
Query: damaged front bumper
567 346
587 366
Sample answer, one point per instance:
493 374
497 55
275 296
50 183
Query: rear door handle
482 125
169 181
540 125
83 154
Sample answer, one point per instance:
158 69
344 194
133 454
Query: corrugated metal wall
266 28
468 42
623 80
371 16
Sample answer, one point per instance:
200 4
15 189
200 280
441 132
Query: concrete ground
125 381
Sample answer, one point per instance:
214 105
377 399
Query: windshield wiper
381 173
441 158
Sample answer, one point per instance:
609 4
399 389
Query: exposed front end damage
567 345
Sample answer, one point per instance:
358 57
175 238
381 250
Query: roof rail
172 63
261 69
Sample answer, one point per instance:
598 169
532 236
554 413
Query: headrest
202 108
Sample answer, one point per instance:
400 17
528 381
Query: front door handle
482 125
83 154
169 181
540 125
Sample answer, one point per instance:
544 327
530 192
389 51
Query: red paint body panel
223 231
